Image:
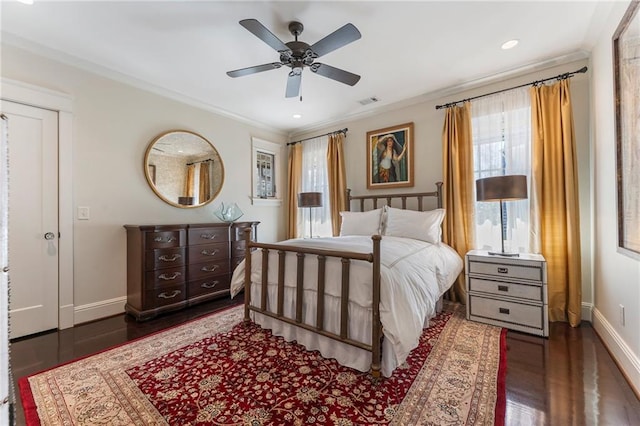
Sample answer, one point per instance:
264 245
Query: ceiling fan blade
293 83
335 73
340 37
260 31
254 69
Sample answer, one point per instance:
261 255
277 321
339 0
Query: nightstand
509 292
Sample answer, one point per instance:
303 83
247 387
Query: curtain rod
201 161
533 83
326 134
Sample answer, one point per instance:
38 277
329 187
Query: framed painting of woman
390 157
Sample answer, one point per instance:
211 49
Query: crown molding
449 91
66 59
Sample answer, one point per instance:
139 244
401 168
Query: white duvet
414 275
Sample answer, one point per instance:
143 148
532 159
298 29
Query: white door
33 218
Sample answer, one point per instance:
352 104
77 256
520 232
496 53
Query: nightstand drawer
510 312
506 270
498 288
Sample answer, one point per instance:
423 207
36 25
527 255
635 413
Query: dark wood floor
568 379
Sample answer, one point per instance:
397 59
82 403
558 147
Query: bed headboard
403 197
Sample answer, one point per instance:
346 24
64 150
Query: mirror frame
151 179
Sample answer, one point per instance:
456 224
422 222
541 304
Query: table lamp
502 188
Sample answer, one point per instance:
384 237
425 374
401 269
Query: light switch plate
83 213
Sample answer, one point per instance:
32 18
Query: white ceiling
408 50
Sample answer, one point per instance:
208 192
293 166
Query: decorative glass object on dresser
228 212
170 267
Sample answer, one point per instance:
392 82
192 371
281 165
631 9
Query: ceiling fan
298 54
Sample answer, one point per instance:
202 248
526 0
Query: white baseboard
65 317
628 362
586 313
102 309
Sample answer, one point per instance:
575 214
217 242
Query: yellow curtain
337 179
294 171
554 199
457 169
205 183
190 180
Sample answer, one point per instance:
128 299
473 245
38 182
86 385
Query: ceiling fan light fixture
510 44
297 54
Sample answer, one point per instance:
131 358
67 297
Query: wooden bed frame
321 255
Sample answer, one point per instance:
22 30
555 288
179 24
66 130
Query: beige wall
616 274
112 125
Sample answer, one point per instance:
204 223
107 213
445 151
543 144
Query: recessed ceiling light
26 1
297 115
509 44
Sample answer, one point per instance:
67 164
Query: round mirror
184 169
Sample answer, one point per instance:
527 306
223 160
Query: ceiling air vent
368 101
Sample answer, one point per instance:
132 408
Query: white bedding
414 275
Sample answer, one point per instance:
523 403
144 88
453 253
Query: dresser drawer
208 235
506 271
208 269
165 239
509 312
238 248
165 258
235 261
166 296
166 277
498 288
208 252
209 285
238 231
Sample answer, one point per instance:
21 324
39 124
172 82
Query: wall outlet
621 314
83 213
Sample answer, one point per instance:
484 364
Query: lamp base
503 253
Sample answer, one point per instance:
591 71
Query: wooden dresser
508 291
170 267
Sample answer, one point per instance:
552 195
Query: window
266 173
265 185
502 146
315 179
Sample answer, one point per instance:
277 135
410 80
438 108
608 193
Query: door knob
49 236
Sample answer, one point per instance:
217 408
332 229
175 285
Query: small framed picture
390 157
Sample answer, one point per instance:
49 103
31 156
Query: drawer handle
166 258
503 288
173 294
209 253
169 277
208 236
503 270
209 285
209 268
164 239
504 311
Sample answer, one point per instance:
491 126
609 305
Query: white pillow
425 226
361 223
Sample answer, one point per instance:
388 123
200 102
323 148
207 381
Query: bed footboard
320 256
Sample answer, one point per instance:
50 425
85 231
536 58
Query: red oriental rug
218 371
